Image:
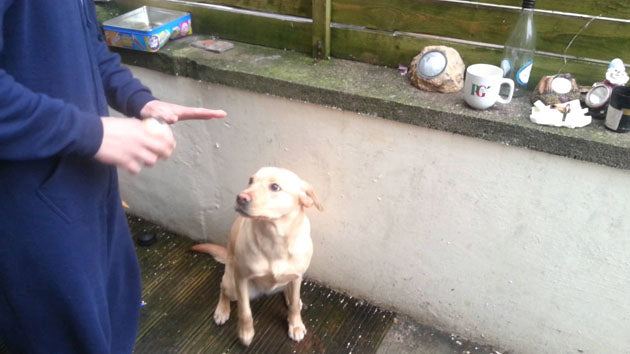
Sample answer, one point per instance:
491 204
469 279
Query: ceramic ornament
560 88
570 115
616 73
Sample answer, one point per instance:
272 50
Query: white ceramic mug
482 84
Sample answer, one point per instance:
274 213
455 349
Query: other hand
130 144
172 113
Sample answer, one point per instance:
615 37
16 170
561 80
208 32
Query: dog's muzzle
243 201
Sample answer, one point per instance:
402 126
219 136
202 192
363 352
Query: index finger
200 113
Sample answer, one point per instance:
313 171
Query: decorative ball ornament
437 69
146 239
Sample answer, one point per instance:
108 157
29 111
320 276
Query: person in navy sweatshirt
69 276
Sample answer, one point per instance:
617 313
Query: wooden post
321 29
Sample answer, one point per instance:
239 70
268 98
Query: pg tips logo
479 90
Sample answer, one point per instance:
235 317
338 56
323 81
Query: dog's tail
219 253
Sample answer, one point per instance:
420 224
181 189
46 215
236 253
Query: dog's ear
308 199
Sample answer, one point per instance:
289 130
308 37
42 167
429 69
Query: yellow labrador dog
269 248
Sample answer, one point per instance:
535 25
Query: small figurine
560 88
437 69
616 73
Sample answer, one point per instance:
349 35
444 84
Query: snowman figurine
616 73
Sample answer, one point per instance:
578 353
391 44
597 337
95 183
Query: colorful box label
150 41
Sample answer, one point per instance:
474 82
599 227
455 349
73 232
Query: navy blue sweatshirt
69 277
47 106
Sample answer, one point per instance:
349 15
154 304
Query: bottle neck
529 4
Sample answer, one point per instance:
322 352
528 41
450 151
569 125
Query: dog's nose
243 199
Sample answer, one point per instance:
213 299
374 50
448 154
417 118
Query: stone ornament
556 89
437 69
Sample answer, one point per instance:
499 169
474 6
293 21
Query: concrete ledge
381 92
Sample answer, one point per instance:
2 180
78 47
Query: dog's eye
275 187
251 180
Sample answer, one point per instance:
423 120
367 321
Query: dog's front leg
245 321
297 331
222 312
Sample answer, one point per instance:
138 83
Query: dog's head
274 192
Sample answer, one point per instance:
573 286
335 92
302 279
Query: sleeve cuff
91 136
136 102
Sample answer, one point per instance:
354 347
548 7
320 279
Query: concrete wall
503 245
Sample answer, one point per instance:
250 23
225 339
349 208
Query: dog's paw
297 332
220 317
246 335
